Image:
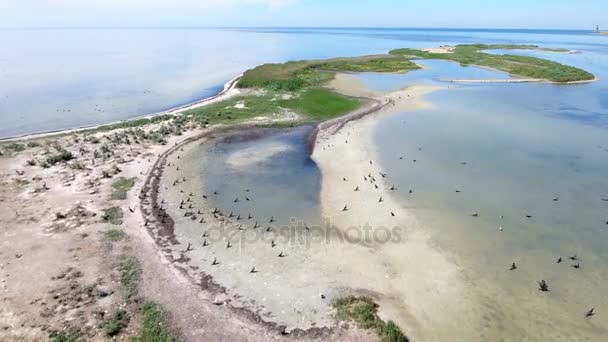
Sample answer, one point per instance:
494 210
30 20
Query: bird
392 214
253 270
577 266
228 245
475 215
590 313
380 200
573 258
528 216
214 262
513 267
357 189
345 208
272 219
236 200
246 198
19 172
393 188
249 217
344 179
411 191
281 255
559 261
205 244
542 286
131 210
556 199
273 244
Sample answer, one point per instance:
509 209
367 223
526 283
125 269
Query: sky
557 14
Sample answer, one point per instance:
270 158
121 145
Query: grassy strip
155 327
113 215
318 104
130 275
516 65
312 103
294 76
121 187
364 312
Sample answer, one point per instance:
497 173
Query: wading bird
345 208
215 262
513 267
542 286
590 313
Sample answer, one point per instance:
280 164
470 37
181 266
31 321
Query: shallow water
268 172
511 151
64 78
536 150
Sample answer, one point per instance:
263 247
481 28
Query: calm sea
64 78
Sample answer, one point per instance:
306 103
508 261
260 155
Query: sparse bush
61 156
116 323
130 275
115 235
113 215
121 187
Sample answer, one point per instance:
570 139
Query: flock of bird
371 179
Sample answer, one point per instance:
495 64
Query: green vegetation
130 275
312 103
369 64
13 147
115 235
516 65
113 215
364 312
116 323
154 326
130 124
320 104
66 336
121 187
59 157
293 76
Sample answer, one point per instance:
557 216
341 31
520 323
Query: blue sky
565 14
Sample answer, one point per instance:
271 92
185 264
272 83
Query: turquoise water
54 79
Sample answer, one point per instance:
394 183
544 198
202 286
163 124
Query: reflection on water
267 172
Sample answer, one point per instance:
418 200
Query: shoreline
329 132
229 90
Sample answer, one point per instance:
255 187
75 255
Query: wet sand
375 249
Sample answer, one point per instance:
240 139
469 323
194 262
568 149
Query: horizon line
177 27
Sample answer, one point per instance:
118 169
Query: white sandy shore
417 285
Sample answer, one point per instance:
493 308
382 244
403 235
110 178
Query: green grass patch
364 312
525 66
121 187
130 275
313 104
318 104
115 235
115 323
155 327
129 124
113 215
